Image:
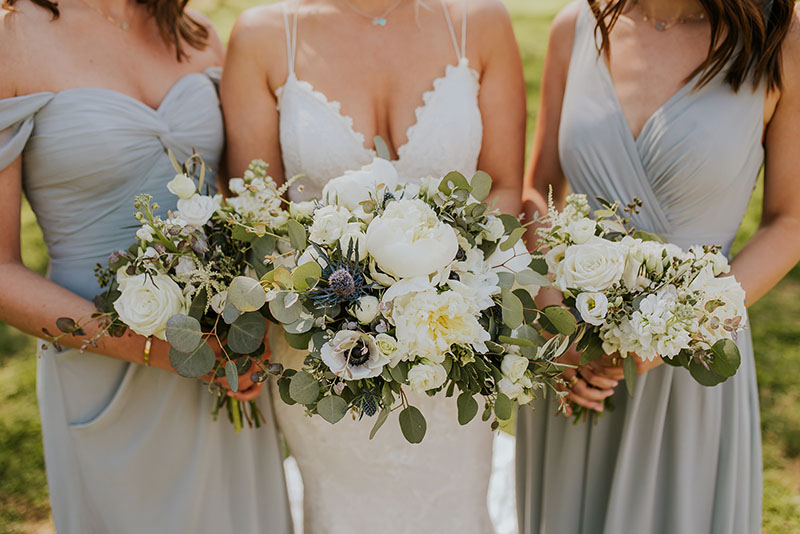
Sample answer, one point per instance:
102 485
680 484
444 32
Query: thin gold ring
614 361
572 381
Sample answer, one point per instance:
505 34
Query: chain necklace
664 25
121 24
380 20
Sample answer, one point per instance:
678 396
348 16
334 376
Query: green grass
775 328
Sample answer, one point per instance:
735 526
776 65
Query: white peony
477 281
147 302
581 230
353 355
182 186
514 366
426 376
329 224
145 233
368 183
593 307
429 323
198 209
366 309
593 266
409 240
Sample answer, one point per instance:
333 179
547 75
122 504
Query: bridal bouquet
173 281
638 295
408 286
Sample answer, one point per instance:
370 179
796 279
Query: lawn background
775 324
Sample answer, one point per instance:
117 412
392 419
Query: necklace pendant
124 26
379 21
661 26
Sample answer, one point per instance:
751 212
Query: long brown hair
174 23
746 38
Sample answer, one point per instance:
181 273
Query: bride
308 84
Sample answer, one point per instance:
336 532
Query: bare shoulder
485 18
215 47
16 28
258 27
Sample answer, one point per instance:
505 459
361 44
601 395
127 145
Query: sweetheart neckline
335 106
125 96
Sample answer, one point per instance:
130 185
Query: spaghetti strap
291 36
461 51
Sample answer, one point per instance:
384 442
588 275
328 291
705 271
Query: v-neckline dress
677 458
130 449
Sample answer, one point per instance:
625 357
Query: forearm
31 303
769 255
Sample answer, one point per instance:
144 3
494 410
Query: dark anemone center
359 354
342 283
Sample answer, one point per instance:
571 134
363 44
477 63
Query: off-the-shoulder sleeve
215 73
16 124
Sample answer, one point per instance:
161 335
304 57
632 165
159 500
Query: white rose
217 302
514 366
366 309
198 209
389 348
581 230
494 228
409 240
147 302
185 266
368 183
426 376
510 389
593 266
182 186
353 355
329 223
593 307
145 233
237 186
302 210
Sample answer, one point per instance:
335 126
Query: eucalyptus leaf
726 358
284 314
400 372
412 424
300 326
303 388
184 333
306 276
246 294
505 279
512 239
647 236
383 415
381 148
454 181
283 390
591 348
481 185
232 375
247 333
529 277
467 408
229 312
198 307
705 377
194 364
297 234
631 373
512 309
516 341
510 223
332 408
298 341
503 407
538 264
561 319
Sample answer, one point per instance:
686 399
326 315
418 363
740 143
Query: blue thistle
342 281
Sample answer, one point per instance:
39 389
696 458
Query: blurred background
775 325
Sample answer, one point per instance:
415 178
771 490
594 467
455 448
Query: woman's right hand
586 388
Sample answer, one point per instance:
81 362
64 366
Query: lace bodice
319 142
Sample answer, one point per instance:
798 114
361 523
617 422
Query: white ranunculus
494 228
353 355
185 266
145 233
409 240
182 186
429 323
329 224
198 209
237 186
302 210
368 183
514 366
147 302
366 309
581 230
593 266
426 376
217 302
593 307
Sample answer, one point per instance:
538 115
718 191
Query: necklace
380 20
121 24
664 25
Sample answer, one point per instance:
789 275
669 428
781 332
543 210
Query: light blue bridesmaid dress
130 449
677 458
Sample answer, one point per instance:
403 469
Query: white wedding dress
385 485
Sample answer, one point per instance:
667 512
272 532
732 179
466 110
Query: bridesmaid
93 93
655 115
